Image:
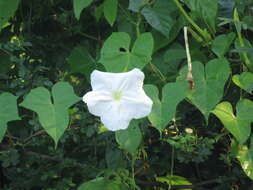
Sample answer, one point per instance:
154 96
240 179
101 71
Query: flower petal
114 119
98 102
136 105
117 81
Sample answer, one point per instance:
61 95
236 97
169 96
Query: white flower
117 98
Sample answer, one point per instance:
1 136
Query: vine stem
241 41
189 61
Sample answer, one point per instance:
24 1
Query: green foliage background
197 137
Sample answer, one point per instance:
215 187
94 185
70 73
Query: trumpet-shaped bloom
117 98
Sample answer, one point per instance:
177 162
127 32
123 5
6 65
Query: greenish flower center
117 95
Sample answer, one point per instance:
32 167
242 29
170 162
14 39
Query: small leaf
244 81
222 43
79 5
174 180
116 55
209 83
164 111
238 125
54 117
110 10
159 17
80 61
7 10
8 111
130 138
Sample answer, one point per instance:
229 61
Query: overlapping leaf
159 16
8 111
164 111
245 156
53 116
244 81
116 55
209 84
238 125
110 10
102 184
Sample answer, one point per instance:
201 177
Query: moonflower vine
117 98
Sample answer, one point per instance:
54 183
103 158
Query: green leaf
174 180
79 5
175 53
245 156
238 125
80 61
206 11
7 10
222 43
130 138
135 5
244 81
8 111
110 10
116 55
164 111
102 184
159 17
209 83
53 116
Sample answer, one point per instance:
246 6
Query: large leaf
221 43
130 138
116 55
244 81
206 11
8 111
7 10
164 111
135 5
80 61
110 10
159 16
238 125
209 83
245 156
53 116
226 8
79 5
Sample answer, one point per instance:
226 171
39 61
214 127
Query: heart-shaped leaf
209 83
116 55
244 81
129 139
8 111
238 125
164 111
53 116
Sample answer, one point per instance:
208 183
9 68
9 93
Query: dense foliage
198 135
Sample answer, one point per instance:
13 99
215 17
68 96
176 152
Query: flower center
117 95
